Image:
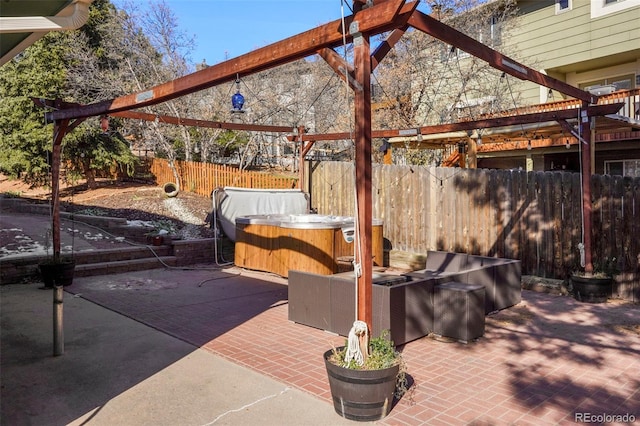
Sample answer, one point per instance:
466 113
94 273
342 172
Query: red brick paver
539 362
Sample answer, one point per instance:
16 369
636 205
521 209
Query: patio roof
22 23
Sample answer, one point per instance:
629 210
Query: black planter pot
57 274
591 289
362 395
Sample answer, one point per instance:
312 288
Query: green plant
12 194
602 268
607 266
382 354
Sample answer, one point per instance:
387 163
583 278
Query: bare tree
424 81
154 50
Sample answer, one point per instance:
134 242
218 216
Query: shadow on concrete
106 354
193 304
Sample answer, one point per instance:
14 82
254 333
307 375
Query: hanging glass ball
237 101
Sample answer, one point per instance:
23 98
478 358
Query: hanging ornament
104 123
237 102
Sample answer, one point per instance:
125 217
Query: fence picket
533 216
202 178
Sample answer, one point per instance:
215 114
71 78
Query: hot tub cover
234 202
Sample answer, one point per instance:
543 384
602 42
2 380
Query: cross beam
538 117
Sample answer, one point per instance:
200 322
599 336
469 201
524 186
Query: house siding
574 46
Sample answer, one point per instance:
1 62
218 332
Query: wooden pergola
369 19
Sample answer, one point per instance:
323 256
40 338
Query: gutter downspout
28 24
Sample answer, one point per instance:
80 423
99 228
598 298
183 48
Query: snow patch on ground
22 245
139 284
141 223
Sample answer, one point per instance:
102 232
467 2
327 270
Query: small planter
362 395
57 274
159 240
591 289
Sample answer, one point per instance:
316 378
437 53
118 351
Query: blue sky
225 29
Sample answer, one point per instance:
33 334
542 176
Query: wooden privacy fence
202 178
532 216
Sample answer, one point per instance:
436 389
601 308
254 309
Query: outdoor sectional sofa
500 277
413 305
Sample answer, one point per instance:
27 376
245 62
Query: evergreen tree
25 139
47 70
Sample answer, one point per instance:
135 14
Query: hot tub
321 244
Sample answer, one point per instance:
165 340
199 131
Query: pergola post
362 106
585 130
59 131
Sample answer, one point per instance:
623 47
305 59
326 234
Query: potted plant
596 286
163 233
56 270
364 383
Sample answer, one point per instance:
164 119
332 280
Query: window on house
563 6
496 31
490 33
452 53
600 8
623 82
623 168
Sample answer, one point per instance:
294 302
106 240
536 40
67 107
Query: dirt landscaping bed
133 201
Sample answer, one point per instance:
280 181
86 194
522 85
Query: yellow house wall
574 46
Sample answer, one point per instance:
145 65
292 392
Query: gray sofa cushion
443 261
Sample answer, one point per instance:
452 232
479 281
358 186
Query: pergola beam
386 16
385 47
342 68
538 117
137 115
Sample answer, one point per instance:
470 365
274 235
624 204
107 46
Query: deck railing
630 98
